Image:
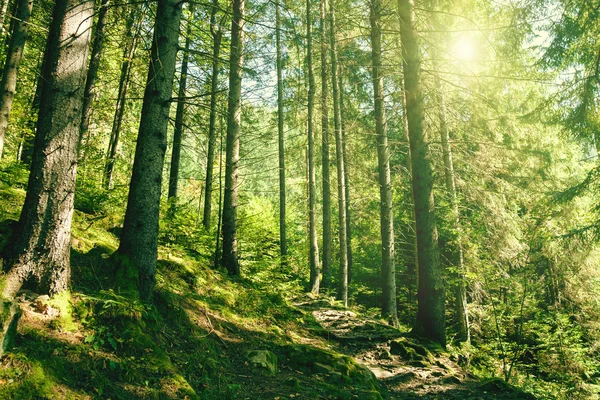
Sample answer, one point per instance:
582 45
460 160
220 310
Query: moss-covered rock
263 359
410 351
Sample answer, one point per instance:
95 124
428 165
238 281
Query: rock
9 318
410 351
452 380
263 359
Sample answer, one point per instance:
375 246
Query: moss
127 274
63 302
26 380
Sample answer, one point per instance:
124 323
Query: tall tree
92 75
326 264
346 171
11 65
216 34
280 137
232 144
129 45
315 272
138 250
40 248
386 212
339 149
431 320
179 113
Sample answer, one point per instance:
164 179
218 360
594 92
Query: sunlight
464 49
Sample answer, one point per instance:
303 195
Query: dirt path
405 368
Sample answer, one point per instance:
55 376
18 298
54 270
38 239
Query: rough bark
11 66
460 293
217 34
92 74
229 258
430 321
179 114
40 247
130 43
342 293
326 255
280 138
138 250
315 278
386 213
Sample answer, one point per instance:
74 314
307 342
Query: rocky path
406 367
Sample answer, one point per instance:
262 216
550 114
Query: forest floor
209 336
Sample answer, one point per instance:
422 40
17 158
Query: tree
315 272
232 144
217 34
138 250
280 137
14 55
431 320
92 75
179 114
339 150
326 264
129 45
386 213
40 247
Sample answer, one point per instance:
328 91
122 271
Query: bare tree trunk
138 250
315 273
92 75
217 34
346 174
40 248
220 204
388 262
431 320
11 66
339 149
130 44
179 114
232 151
326 255
280 136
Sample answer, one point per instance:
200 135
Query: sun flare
464 49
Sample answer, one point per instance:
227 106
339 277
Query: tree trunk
232 144
460 305
11 66
3 10
179 114
40 248
430 321
138 250
130 44
92 75
315 278
388 267
346 174
217 34
280 135
339 149
325 150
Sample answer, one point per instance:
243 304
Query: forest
329 199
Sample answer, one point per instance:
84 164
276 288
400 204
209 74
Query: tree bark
92 74
229 258
326 255
315 278
40 248
346 174
339 149
11 66
179 114
430 321
130 44
386 212
138 250
280 137
217 34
